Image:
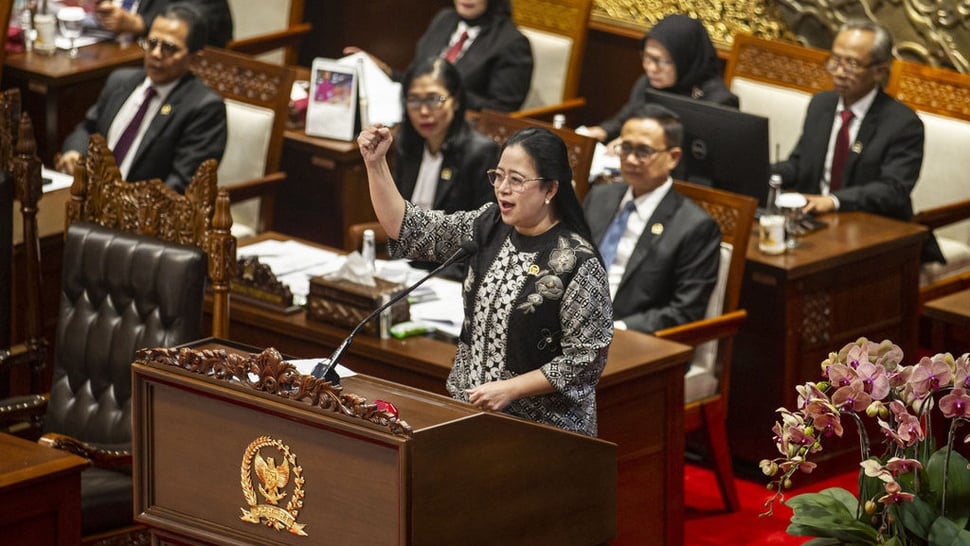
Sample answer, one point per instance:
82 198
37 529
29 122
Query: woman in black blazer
494 59
678 57
441 161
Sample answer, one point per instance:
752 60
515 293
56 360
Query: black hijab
690 48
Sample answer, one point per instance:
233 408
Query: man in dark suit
661 250
161 121
136 17
480 38
860 149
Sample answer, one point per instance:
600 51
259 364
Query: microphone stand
324 370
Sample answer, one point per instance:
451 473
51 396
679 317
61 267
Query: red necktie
840 152
452 54
128 136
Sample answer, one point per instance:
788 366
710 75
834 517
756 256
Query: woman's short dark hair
443 72
198 33
551 161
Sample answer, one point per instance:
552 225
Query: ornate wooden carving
242 79
722 19
256 280
934 90
268 372
780 64
200 217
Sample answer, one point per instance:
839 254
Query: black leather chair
120 292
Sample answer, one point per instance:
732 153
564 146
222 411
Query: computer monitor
723 147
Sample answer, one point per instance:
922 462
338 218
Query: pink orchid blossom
930 375
895 494
955 404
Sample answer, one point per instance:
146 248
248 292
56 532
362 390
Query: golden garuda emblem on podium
272 481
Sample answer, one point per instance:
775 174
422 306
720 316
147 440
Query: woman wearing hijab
481 40
678 57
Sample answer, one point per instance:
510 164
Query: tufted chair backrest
120 292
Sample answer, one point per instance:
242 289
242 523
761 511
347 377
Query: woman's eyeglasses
516 183
433 102
168 48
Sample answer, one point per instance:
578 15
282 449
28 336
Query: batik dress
539 302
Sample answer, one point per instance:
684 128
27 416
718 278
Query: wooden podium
236 448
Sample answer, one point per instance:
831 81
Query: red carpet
707 522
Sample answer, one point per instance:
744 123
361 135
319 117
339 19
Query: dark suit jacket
712 90
216 12
670 276
883 163
496 70
462 184
176 143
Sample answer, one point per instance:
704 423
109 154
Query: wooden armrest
258 187
944 215
23 412
99 456
695 333
32 353
271 40
546 112
943 287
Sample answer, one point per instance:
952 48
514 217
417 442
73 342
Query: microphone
324 370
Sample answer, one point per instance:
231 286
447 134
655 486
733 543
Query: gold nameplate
273 480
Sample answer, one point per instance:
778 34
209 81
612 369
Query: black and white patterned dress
549 290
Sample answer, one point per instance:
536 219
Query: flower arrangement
910 493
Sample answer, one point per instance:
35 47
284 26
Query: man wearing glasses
860 149
660 249
160 121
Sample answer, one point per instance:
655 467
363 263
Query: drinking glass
791 205
71 19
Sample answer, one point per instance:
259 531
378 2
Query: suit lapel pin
857 147
534 270
446 174
657 228
166 109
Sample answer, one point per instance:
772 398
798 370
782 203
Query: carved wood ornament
268 372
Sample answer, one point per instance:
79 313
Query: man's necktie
128 136
611 238
840 152
454 51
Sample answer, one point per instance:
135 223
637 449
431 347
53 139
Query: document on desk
443 308
54 180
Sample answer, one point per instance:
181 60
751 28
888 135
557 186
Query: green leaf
829 513
917 517
822 542
946 533
957 485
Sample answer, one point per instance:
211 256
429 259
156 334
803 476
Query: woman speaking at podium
538 317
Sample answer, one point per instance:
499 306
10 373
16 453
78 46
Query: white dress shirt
426 185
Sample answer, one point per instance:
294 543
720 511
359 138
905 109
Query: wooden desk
640 397
40 494
325 190
857 277
57 90
950 322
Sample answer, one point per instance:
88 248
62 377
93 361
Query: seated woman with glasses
160 121
678 57
441 160
480 38
538 318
